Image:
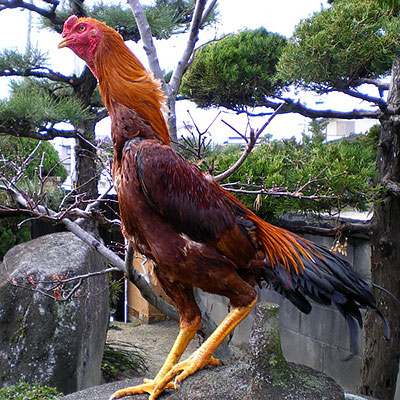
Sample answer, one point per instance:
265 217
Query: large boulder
58 343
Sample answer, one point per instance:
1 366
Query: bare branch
250 145
243 136
22 169
58 288
195 24
279 193
326 227
207 12
147 38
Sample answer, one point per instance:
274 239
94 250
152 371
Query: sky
280 17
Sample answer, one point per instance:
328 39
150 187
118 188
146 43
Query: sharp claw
176 384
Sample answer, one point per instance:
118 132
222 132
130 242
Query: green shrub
10 235
344 169
16 149
121 359
29 391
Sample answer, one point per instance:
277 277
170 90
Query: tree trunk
381 360
86 152
171 120
86 166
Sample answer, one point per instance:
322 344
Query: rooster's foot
182 370
148 386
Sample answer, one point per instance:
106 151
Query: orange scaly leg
186 334
203 355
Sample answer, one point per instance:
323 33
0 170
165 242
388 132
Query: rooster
197 234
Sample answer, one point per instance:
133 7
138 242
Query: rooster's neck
127 124
130 94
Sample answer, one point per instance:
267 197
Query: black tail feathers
327 279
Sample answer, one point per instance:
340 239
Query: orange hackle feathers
124 80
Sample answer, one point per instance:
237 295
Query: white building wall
339 128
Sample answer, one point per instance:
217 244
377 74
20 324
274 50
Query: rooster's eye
81 28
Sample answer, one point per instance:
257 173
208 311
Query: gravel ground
155 340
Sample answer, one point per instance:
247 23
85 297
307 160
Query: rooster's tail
301 270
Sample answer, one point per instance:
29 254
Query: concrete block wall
319 340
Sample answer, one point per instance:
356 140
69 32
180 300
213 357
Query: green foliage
33 103
13 151
162 20
345 168
317 128
27 391
16 149
116 289
121 359
393 5
165 17
10 235
236 71
120 18
14 61
338 46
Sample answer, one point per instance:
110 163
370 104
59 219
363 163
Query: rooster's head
83 36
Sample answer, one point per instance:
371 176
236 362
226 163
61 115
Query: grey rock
59 344
229 382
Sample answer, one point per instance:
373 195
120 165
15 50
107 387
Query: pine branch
19 128
32 63
382 104
49 13
43 72
380 85
299 108
327 227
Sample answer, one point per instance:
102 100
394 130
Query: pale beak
63 43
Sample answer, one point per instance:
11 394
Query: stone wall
319 340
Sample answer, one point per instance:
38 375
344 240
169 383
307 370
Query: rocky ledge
264 375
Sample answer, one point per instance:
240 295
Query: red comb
69 23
